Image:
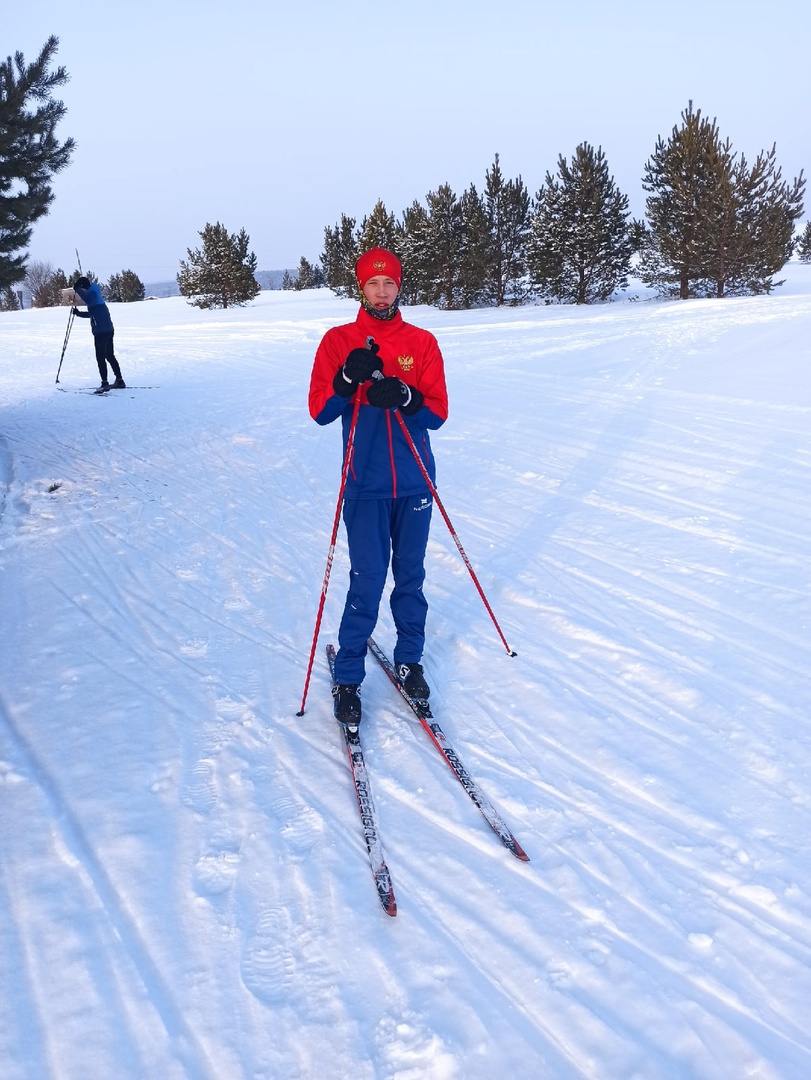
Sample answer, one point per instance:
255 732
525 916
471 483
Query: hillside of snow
185 892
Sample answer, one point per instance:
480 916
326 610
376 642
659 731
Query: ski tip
386 894
519 852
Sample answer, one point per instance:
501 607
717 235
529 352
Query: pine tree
580 245
507 204
9 301
637 234
804 244
124 288
378 230
60 282
339 257
682 179
752 234
308 277
220 275
415 253
716 225
444 248
30 153
474 249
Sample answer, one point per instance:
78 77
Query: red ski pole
330 553
451 529
350 445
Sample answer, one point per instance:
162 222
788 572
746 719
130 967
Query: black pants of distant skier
105 355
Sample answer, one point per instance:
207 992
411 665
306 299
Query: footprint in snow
214 874
301 826
283 961
201 791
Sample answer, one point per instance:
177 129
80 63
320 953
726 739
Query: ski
422 711
368 817
99 392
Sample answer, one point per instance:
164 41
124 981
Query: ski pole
350 444
65 345
443 511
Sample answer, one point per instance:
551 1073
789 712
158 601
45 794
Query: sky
279 118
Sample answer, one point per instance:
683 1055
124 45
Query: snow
185 892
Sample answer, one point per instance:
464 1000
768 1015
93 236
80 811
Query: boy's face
381 291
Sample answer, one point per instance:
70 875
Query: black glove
75 312
361 364
393 393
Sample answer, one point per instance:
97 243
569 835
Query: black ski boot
346 704
119 384
413 681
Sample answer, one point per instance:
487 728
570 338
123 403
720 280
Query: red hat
377 262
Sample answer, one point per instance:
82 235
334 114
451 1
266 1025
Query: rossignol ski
368 817
422 711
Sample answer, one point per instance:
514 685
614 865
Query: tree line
715 224
45 285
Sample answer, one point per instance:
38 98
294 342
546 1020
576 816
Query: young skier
387 502
102 326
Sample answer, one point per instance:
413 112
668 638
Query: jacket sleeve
431 384
325 404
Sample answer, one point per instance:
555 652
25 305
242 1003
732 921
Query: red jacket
383 464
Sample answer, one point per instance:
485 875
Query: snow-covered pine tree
124 288
339 257
379 229
444 248
760 238
132 288
222 273
804 244
474 249
9 301
580 247
715 224
308 277
681 177
507 204
415 254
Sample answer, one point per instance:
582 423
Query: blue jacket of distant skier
97 310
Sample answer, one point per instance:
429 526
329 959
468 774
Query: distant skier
387 505
102 326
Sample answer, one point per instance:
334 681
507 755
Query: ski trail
82 858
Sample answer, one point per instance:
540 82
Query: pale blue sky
280 117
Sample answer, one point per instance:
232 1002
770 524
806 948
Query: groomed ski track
183 891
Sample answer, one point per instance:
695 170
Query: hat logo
379 264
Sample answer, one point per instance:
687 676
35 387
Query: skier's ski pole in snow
451 529
350 443
65 345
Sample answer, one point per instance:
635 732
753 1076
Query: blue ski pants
383 532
